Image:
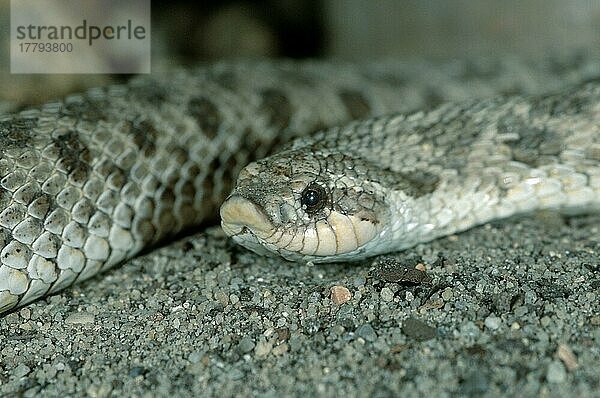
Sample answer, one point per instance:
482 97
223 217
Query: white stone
492 322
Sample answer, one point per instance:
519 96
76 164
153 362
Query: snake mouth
238 215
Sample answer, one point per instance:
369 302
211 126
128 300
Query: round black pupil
311 198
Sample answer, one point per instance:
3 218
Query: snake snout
238 213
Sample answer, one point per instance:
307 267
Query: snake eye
313 197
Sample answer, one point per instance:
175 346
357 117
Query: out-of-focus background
186 32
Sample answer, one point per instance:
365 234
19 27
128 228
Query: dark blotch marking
571 103
258 147
5 198
144 136
273 146
433 97
16 133
533 143
415 184
187 191
74 156
5 238
561 65
280 169
299 78
206 114
231 171
418 183
356 104
387 79
277 106
86 108
149 92
180 154
208 185
167 196
480 70
224 78
251 142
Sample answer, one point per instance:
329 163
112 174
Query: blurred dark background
185 32
382 28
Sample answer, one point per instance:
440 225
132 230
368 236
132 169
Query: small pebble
565 354
195 357
221 297
21 370
245 345
26 326
359 281
387 294
263 348
447 294
282 334
236 374
556 372
340 295
280 349
367 332
520 311
80 318
420 267
418 330
492 322
25 313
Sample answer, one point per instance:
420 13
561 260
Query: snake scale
90 181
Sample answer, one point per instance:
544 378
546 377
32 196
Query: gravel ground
507 309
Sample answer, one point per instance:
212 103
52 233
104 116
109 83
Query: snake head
306 205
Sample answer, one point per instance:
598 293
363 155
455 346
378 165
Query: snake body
392 182
90 181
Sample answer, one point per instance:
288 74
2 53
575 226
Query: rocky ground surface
507 309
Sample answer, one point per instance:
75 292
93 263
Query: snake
312 161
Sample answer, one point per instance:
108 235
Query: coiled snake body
89 182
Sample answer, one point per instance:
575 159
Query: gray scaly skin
389 183
90 181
